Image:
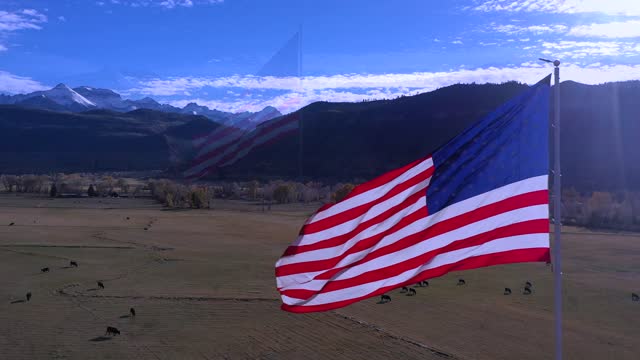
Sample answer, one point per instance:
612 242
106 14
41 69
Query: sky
221 53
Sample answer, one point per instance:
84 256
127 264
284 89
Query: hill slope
42 141
600 125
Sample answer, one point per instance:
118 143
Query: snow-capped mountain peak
64 95
83 98
103 98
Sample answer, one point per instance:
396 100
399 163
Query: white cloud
611 7
20 20
14 84
357 87
62 18
167 4
457 42
3 48
534 29
582 49
170 4
616 29
35 14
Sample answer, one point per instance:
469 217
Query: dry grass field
203 287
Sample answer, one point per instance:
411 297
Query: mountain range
599 138
342 141
62 98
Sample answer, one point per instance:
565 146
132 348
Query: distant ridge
85 98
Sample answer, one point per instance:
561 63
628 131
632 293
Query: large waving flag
480 200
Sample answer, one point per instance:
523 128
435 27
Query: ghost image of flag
479 200
230 142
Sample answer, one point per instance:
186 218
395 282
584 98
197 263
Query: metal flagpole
557 224
557 216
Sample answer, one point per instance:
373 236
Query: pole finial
556 63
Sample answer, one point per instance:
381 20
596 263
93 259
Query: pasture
202 285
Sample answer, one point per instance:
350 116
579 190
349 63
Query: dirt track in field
202 284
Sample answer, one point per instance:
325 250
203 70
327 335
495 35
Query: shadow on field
100 338
92 289
66 267
17 301
125 316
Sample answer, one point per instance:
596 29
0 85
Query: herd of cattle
410 291
110 329
74 264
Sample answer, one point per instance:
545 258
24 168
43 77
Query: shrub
252 190
342 192
92 191
281 193
168 200
9 182
600 209
199 198
123 185
53 192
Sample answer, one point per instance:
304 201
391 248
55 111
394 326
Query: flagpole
557 208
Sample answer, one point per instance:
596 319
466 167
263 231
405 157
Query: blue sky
210 51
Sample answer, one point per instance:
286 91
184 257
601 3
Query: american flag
480 200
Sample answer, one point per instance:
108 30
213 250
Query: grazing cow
133 312
528 284
73 263
412 292
28 296
44 270
100 284
635 297
146 229
426 283
507 291
112 331
404 289
462 282
527 291
385 299
127 218
12 224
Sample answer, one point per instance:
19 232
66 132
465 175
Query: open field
202 283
